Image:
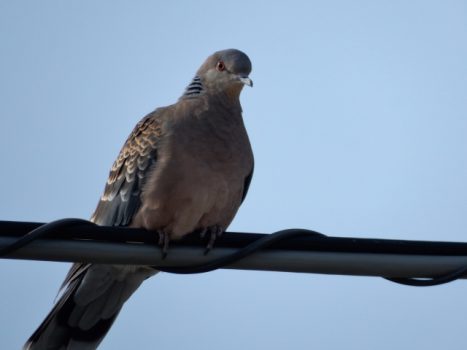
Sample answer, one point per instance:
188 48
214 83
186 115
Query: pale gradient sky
358 120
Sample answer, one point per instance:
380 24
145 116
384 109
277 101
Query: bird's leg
163 242
214 233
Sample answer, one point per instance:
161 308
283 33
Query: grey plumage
184 167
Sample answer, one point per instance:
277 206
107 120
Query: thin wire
430 282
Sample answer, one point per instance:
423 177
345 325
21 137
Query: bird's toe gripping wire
214 232
163 242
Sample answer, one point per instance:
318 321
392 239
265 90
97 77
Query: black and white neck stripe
195 88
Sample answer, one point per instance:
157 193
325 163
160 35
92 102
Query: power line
419 263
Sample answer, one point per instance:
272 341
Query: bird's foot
214 232
163 242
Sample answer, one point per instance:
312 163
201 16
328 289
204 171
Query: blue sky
358 120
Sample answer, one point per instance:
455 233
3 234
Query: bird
184 168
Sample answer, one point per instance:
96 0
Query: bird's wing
94 294
121 198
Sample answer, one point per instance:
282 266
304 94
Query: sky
358 121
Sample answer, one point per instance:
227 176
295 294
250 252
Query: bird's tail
92 297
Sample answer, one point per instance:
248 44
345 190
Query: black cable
57 226
430 282
239 254
42 231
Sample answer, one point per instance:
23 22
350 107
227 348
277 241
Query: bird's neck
228 97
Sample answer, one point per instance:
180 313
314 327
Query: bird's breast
199 181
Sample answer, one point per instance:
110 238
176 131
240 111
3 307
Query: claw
214 232
163 242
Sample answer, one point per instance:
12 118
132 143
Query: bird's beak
246 80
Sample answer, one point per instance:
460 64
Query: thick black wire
55 227
251 248
42 231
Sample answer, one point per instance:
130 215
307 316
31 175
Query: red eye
220 66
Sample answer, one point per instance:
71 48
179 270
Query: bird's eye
220 66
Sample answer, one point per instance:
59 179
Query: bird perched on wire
185 167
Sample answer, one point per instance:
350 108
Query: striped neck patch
194 88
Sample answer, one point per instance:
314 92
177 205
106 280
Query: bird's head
226 71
